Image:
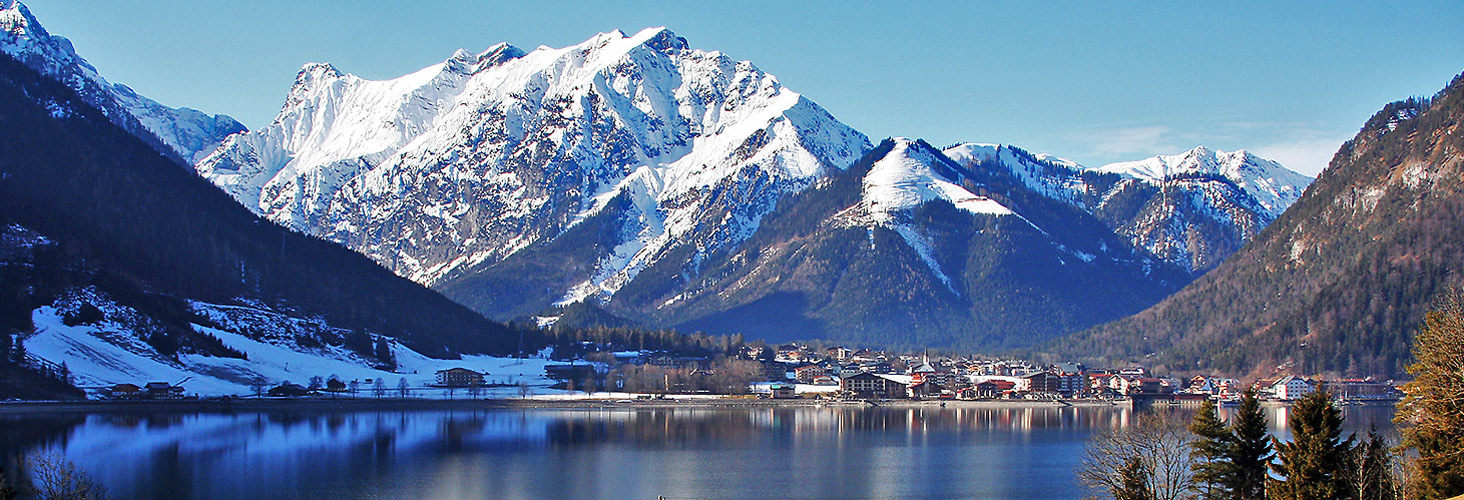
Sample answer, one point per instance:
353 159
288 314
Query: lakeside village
794 371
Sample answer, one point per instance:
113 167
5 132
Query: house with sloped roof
1292 387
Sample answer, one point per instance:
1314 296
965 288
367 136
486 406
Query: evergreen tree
1135 482
1210 452
1250 450
4 348
17 352
1312 464
1433 411
384 354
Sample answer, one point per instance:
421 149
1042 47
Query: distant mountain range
672 187
631 172
1341 280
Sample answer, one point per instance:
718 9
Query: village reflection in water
680 452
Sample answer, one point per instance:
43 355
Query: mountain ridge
121 230
1338 283
617 170
182 133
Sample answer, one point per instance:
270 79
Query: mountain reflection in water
704 453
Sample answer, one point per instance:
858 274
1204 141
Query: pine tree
1250 451
1432 411
1135 482
1210 452
384 353
4 348
17 351
1311 465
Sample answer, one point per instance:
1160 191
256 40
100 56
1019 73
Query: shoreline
398 404
413 404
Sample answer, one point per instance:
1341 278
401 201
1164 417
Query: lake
986 452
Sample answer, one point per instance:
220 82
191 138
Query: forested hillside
1340 281
107 210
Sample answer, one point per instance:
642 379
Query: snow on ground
107 354
904 179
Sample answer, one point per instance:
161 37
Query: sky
1092 82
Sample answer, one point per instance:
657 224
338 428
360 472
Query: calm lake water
680 453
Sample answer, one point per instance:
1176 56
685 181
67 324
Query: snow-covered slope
1272 186
276 348
189 133
909 176
906 178
1054 177
907 247
469 161
1192 209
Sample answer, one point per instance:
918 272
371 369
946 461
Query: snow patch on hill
906 178
113 351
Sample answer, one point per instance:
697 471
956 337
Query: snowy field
105 354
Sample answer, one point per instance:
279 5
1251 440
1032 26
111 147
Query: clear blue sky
1094 82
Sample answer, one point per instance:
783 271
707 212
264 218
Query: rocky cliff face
637 174
906 247
469 161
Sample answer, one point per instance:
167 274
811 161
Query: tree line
1161 457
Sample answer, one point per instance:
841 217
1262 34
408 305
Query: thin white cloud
1308 156
1123 142
1297 146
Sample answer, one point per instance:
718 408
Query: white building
1293 387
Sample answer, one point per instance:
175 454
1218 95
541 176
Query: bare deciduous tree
1433 411
55 478
1155 450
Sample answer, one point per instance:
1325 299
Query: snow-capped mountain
145 270
907 247
467 162
1272 186
1192 209
188 133
627 169
1340 282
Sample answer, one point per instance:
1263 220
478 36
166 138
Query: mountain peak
1272 185
662 39
914 173
318 70
184 134
1200 151
22 36
499 53
683 144
465 62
